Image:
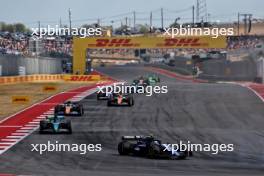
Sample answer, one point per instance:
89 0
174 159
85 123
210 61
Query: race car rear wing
132 137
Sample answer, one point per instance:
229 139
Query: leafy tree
143 29
9 28
19 27
2 26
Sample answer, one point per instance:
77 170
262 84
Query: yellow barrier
36 78
29 78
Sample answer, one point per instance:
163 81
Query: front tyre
154 151
69 128
109 103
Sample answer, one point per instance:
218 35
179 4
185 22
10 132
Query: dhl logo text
81 78
120 42
182 42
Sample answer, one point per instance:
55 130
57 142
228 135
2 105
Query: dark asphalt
200 113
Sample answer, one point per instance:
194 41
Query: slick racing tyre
154 151
42 126
68 124
109 103
81 111
130 101
123 148
70 130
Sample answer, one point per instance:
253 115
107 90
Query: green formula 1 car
55 124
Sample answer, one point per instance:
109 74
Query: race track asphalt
198 112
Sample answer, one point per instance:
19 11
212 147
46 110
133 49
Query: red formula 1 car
69 108
120 99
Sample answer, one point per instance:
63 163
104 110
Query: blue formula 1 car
148 146
55 124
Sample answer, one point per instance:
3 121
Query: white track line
41 117
34 122
30 125
14 137
78 96
8 143
23 131
18 134
8 126
9 140
27 128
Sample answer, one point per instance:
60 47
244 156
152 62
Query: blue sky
87 11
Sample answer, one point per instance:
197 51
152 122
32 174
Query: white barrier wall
41 65
260 68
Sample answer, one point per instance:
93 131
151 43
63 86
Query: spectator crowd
19 44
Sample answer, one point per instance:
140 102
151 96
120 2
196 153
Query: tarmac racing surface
198 112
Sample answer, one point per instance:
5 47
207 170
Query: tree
143 29
2 26
10 28
19 27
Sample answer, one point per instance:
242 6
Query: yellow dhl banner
50 88
151 42
20 99
82 78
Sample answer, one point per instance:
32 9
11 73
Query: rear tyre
81 111
42 126
41 131
56 110
70 130
109 103
131 102
69 127
122 148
